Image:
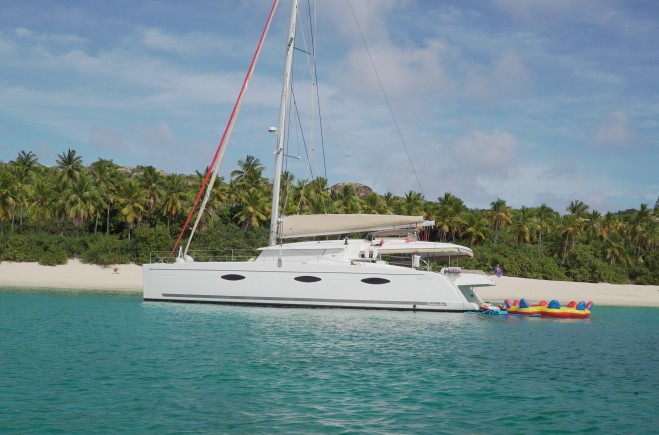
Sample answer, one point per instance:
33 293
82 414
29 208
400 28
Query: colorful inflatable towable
571 311
523 308
551 309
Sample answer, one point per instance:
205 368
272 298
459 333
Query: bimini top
423 249
329 224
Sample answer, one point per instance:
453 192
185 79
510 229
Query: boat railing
228 255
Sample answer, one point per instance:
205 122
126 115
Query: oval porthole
233 277
375 281
307 278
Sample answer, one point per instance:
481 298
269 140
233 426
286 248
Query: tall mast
279 149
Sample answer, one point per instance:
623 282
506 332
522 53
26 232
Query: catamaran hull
312 285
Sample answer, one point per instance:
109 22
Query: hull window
307 278
233 277
375 281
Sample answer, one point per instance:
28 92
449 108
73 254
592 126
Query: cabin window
233 277
375 281
307 278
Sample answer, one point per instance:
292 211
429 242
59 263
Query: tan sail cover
327 224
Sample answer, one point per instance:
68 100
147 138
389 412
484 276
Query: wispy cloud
616 132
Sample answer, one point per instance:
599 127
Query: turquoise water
99 363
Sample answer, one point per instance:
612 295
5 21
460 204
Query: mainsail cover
328 224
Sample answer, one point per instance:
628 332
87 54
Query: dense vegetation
107 214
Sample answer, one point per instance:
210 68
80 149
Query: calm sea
98 363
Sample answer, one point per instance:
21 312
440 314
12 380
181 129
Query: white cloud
504 77
561 168
543 11
616 133
483 153
105 139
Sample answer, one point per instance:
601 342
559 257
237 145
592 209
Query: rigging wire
219 153
314 73
400 134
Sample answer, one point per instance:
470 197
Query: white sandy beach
128 277
73 275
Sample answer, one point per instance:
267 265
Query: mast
279 148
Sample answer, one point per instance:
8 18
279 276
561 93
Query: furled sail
328 224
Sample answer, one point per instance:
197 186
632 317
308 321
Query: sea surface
85 362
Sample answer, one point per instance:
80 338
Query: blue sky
532 102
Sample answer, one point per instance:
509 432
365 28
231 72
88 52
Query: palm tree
524 225
41 198
577 208
373 204
174 196
545 217
594 224
320 195
81 199
611 224
412 204
570 226
346 200
21 179
249 172
7 196
254 209
390 202
448 215
499 216
475 226
614 249
131 203
108 180
151 182
25 161
638 225
69 165
452 202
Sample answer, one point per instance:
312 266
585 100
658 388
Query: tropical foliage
107 214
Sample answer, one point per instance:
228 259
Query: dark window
375 281
233 277
307 278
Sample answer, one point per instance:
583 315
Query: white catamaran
386 270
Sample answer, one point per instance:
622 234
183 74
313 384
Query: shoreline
76 275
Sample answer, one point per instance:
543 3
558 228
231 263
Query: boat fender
589 305
554 304
523 303
581 306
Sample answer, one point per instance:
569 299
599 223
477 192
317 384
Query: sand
535 290
73 275
128 277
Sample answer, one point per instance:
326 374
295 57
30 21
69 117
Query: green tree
475 226
174 196
81 199
499 216
412 204
108 179
545 218
69 165
253 209
524 225
131 203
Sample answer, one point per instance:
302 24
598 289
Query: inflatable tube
552 309
523 308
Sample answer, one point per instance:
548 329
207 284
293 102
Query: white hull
366 286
